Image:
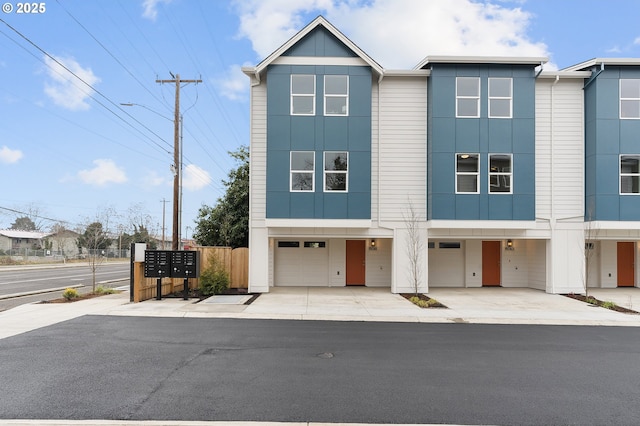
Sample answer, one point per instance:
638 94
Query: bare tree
95 239
415 246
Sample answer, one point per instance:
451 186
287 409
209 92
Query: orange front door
626 262
355 262
490 263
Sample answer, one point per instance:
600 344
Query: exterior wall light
509 245
372 244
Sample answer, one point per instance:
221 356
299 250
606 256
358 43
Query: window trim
621 99
490 173
620 174
477 98
312 172
345 96
325 172
509 98
302 95
476 173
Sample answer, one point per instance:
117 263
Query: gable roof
320 21
13 233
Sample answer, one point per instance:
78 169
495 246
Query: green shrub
214 279
104 290
608 305
70 293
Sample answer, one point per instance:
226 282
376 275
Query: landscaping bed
422 300
603 304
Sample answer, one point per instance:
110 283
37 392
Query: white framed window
467 173
336 171
629 98
467 97
629 174
303 94
500 97
336 95
302 171
500 173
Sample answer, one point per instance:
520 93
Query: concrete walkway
480 305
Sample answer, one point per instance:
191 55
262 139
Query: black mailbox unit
171 264
157 263
185 264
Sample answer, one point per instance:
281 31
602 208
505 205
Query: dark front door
355 262
490 263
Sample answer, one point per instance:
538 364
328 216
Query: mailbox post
185 264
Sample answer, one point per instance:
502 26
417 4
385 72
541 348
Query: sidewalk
479 305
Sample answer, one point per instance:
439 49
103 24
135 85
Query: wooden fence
235 262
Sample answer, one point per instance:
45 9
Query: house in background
483 157
16 240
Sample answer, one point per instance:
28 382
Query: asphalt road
37 282
100 367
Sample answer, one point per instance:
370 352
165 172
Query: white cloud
65 89
195 178
104 172
636 41
9 156
396 33
151 8
234 83
152 179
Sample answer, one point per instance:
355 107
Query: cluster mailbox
185 264
171 264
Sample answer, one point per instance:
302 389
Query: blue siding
448 135
606 138
286 133
319 42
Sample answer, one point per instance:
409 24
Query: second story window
336 171
467 97
500 173
630 98
500 97
302 170
336 95
630 174
303 94
467 173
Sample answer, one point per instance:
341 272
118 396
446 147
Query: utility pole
164 203
175 238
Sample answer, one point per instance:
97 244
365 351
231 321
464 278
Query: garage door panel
302 266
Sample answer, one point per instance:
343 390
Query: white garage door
446 264
301 263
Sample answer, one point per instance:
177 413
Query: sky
70 152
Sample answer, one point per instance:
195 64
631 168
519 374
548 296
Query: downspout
552 217
592 79
379 146
541 69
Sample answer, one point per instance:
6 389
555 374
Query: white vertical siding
258 164
536 256
378 264
515 265
402 146
559 148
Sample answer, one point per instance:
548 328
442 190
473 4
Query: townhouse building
460 172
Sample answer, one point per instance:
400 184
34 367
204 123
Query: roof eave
508 60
